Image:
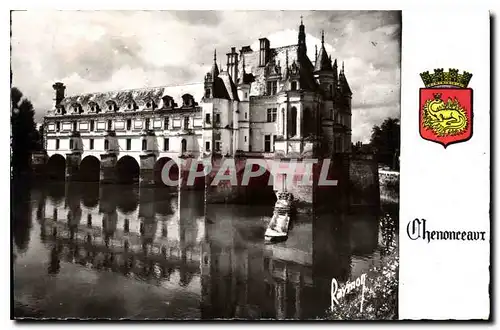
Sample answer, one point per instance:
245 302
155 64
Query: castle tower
343 99
335 76
210 78
323 71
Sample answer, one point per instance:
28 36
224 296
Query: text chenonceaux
416 229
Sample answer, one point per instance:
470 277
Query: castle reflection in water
173 241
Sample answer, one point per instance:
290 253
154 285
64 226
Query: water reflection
21 217
157 254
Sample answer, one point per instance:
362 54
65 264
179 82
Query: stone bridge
244 178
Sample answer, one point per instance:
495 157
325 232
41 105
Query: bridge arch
173 171
128 200
127 170
90 195
56 192
56 167
90 168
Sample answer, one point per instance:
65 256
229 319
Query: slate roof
278 56
139 96
323 63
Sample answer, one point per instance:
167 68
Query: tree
24 135
386 140
39 141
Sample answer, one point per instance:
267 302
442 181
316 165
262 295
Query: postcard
250 165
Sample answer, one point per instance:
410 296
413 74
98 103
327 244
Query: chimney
264 51
60 89
232 64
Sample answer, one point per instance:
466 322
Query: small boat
278 227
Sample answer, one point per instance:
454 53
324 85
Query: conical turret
323 62
215 68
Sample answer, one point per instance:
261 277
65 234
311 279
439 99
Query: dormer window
150 105
94 107
294 86
131 105
168 102
76 108
188 101
112 106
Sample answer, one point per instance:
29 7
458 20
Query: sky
97 51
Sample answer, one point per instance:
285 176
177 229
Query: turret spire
315 53
323 62
215 68
302 40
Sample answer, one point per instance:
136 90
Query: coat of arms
446 107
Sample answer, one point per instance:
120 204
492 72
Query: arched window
106 144
183 145
331 90
126 226
294 86
144 144
292 122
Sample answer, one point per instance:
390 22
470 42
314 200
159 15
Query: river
84 250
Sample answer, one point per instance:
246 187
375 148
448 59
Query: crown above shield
440 78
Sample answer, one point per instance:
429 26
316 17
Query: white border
428 5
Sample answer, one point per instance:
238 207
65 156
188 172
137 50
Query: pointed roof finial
301 22
322 37
342 66
215 55
286 56
315 52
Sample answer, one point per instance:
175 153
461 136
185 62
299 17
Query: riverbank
380 298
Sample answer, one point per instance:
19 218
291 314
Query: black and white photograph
205 165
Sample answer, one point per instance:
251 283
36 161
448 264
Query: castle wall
365 191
